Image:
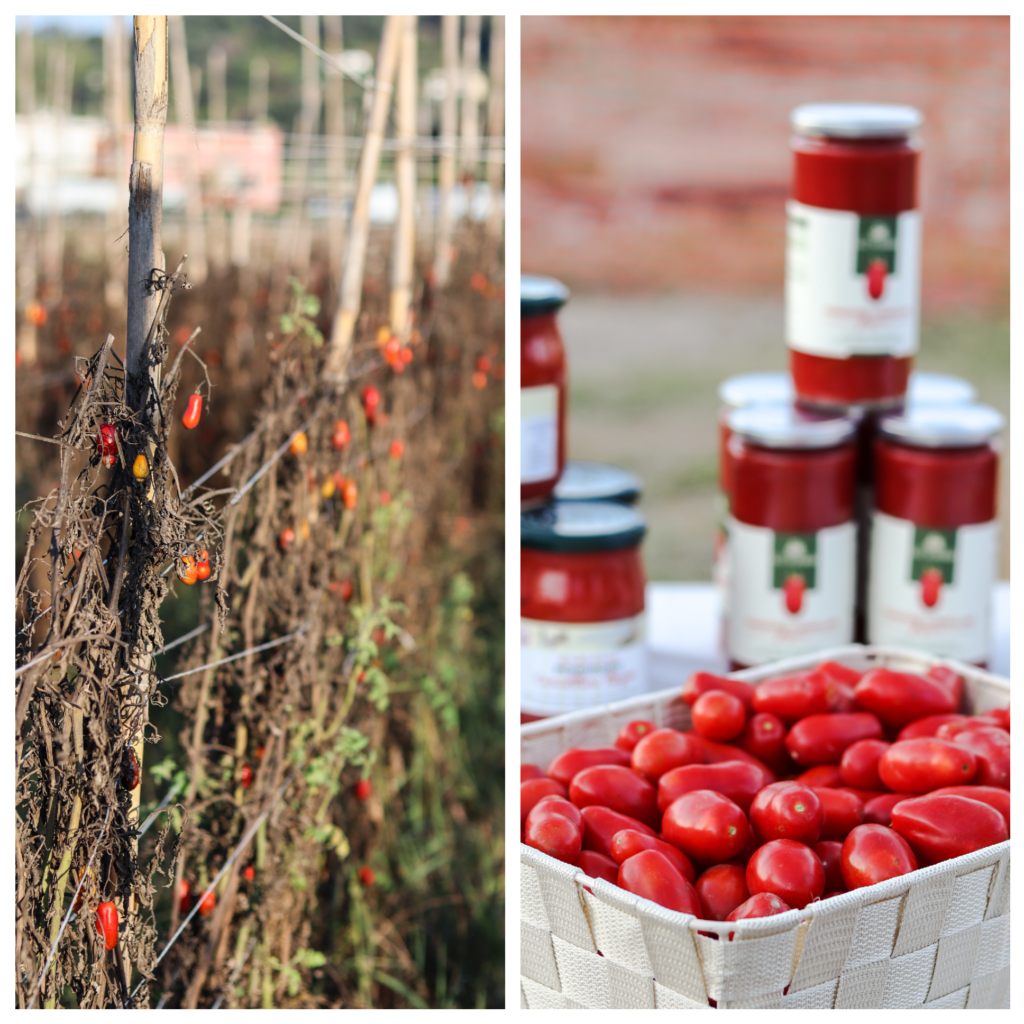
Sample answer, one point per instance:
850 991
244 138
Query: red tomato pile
800 788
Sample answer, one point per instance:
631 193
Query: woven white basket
938 937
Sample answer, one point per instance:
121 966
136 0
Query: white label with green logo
931 588
789 593
853 282
538 434
569 666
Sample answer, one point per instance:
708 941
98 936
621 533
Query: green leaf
311 305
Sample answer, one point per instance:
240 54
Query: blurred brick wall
655 150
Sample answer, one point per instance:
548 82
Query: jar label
789 593
538 433
569 666
853 282
931 589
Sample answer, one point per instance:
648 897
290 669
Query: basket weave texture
938 937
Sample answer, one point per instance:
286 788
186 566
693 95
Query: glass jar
582 607
597 481
934 535
542 389
792 534
853 252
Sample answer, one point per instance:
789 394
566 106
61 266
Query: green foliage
299 320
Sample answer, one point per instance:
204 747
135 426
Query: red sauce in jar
581 607
542 388
853 252
792 533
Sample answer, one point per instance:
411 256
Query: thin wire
365 83
220 874
171 794
182 639
235 657
70 911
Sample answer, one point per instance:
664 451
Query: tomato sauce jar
597 481
582 607
792 533
542 389
934 534
853 252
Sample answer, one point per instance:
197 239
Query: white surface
684 632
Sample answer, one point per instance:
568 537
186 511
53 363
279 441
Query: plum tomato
555 835
1001 717
821 776
571 762
840 673
859 763
843 812
830 853
600 825
991 795
991 747
878 811
616 787
790 870
664 749
702 682
899 698
874 853
721 889
556 805
797 695
597 865
953 681
718 715
530 771
629 842
764 736
632 733
919 766
787 810
821 739
928 726
531 791
761 904
715 753
706 826
941 827
737 780
652 875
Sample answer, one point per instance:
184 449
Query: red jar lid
582 526
945 426
787 427
855 120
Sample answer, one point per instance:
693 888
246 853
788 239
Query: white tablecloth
683 631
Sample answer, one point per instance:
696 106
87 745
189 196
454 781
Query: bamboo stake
404 248
28 259
115 75
53 238
369 164
185 110
496 126
308 119
334 117
216 115
449 120
470 150
259 88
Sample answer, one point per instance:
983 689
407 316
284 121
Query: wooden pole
404 248
185 110
115 79
28 257
334 117
449 144
308 120
217 72
216 115
470 150
496 126
53 238
369 164
259 89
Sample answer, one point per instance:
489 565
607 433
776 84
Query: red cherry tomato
106 442
130 769
991 747
878 810
721 889
618 788
899 698
762 904
787 810
367 876
192 412
600 826
208 904
363 789
664 749
797 695
553 834
702 682
202 570
530 771
629 842
991 795
341 435
764 736
248 872
737 780
106 924
874 853
859 763
821 739
653 876
843 812
397 449
532 790
830 853
245 776
184 897
287 538
597 865
919 766
632 733
706 826
941 827
926 727
718 715
556 805
572 762
821 776
790 870
371 398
